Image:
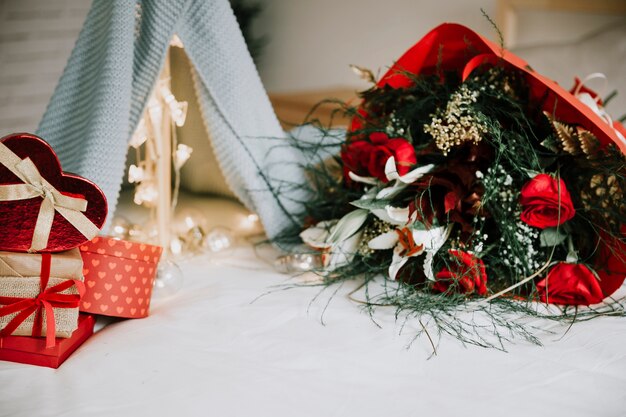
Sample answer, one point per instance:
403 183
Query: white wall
312 42
36 38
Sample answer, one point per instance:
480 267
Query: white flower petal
397 216
418 172
382 215
342 253
428 265
396 263
385 241
432 239
316 236
348 226
390 192
400 215
391 171
364 180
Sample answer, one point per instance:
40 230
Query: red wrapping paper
119 277
453 47
33 351
460 49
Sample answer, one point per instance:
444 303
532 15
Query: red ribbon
46 301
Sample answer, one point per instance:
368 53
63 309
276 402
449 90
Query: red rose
352 156
545 202
570 284
368 158
466 273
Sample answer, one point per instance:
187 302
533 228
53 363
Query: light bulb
178 109
251 220
146 194
140 136
194 238
218 240
176 246
136 174
298 262
179 112
182 155
169 279
119 228
187 219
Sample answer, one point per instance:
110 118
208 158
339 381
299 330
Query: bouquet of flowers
466 175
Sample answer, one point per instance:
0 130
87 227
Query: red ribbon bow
47 300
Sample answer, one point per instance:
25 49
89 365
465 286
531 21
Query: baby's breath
458 122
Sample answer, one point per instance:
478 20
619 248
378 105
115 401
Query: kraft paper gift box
39 293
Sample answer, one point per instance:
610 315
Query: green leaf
552 236
545 162
348 225
371 203
550 144
531 173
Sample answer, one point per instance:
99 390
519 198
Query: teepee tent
110 75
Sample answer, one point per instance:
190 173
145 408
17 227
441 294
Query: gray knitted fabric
110 75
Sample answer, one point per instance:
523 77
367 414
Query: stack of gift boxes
55 272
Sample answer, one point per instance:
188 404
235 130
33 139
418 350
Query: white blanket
211 351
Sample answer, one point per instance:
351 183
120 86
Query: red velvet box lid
32 350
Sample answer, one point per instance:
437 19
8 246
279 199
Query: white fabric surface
209 351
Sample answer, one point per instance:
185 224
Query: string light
169 279
188 234
182 155
146 194
298 262
136 174
140 136
250 222
120 228
178 109
218 240
176 246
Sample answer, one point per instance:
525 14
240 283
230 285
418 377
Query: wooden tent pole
164 164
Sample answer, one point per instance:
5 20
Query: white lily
391 172
364 180
411 242
398 216
338 240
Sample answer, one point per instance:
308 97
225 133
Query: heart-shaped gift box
453 47
42 208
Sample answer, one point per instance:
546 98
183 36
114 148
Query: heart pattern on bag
118 284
